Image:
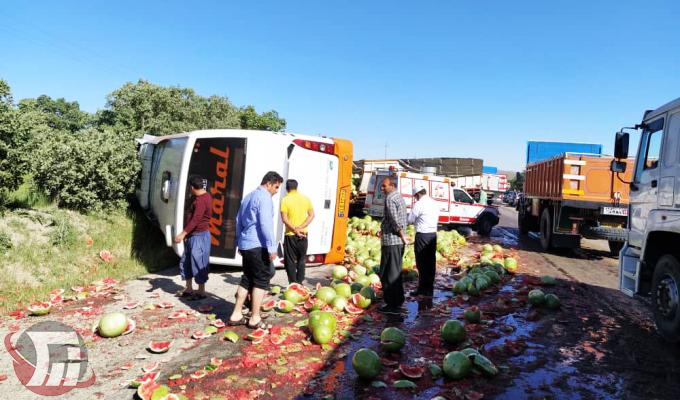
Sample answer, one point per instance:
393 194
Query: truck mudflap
629 270
610 233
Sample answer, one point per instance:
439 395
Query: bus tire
546 230
666 297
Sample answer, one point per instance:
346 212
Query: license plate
615 211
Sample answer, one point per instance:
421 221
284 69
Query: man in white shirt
425 215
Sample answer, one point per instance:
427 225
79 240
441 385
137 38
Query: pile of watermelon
487 271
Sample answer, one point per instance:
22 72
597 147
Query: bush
63 234
87 171
5 242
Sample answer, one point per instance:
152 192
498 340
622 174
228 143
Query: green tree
144 107
267 121
58 114
10 167
88 170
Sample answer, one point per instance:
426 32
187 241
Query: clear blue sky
444 78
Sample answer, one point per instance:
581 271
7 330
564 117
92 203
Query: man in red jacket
196 237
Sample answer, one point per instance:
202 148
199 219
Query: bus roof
207 133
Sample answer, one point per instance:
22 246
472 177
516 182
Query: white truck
649 262
456 207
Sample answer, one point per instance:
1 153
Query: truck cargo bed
581 178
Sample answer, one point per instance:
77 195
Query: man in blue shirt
257 245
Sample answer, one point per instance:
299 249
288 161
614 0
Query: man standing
196 256
393 240
257 245
425 215
296 213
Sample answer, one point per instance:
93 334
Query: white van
233 162
456 207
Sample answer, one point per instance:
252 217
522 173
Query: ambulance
456 207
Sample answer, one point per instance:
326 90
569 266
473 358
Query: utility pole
386 146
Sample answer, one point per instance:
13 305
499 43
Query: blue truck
539 150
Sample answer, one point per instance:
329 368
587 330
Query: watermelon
339 272
352 309
552 301
343 290
366 363
457 365
268 305
536 297
411 371
356 287
473 314
326 294
295 293
217 323
322 334
200 334
177 315
130 327
368 293
147 388
339 303
39 309
199 374
150 367
547 280
112 325
231 336
510 264
149 376
360 301
392 339
159 346
453 331
321 318
284 306
257 334
359 270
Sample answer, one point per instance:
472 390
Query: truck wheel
546 230
615 247
484 226
666 298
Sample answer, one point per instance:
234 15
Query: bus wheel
666 299
546 230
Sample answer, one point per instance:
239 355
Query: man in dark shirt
196 237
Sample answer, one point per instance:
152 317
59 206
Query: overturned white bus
233 161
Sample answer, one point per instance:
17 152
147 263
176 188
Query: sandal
197 296
185 293
242 321
259 325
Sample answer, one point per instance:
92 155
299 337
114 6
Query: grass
51 248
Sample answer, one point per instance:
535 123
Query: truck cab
649 262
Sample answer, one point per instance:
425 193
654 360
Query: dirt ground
599 345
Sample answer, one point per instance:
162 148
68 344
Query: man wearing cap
424 215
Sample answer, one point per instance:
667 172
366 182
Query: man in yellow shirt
296 213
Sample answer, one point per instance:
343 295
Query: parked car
510 197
